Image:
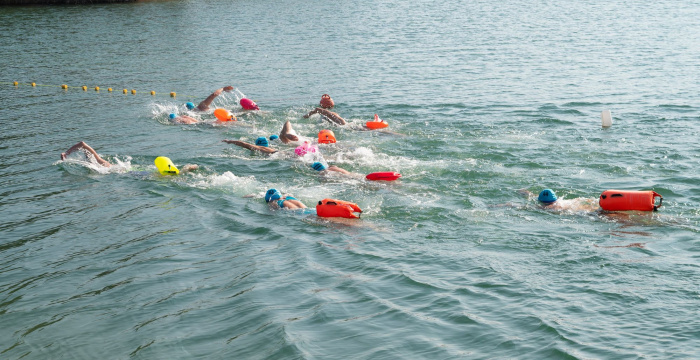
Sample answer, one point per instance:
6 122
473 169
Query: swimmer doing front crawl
276 201
91 153
203 106
549 201
287 135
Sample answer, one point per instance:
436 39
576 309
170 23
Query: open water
486 98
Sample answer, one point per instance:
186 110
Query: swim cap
274 137
190 106
318 166
262 141
172 116
547 196
272 195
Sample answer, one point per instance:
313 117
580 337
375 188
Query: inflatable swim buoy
165 166
305 148
327 102
249 104
337 208
326 137
377 123
383 175
622 200
224 115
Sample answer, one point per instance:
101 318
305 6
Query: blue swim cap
318 166
274 137
547 196
172 116
190 106
261 141
272 195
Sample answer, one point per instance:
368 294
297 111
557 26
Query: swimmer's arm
331 116
248 146
83 145
525 192
204 105
314 111
189 167
339 170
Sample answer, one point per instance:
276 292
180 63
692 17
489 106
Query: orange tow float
623 200
224 115
326 137
377 123
326 102
337 208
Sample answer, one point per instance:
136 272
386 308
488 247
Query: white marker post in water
606 118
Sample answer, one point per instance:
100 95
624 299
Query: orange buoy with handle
326 102
624 200
326 137
224 115
383 175
337 208
377 123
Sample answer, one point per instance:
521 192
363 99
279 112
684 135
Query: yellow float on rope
133 91
109 89
15 83
84 88
172 94
165 166
125 91
64 86
97 88
153 92
34 84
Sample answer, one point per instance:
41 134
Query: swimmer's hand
228 88
189 167
524 192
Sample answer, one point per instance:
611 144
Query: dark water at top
449 262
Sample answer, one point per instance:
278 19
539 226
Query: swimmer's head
318 166
189 106
262 141
274 137
547 196
272 195
172 116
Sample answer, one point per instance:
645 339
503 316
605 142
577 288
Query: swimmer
549 201
204 105
276 201
182 119
92 153
323 170
261 145
328 115
287 135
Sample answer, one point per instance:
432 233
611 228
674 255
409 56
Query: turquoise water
449 262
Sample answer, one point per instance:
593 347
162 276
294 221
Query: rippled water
484 99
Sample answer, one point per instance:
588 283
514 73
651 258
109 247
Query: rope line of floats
132 91
86 88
